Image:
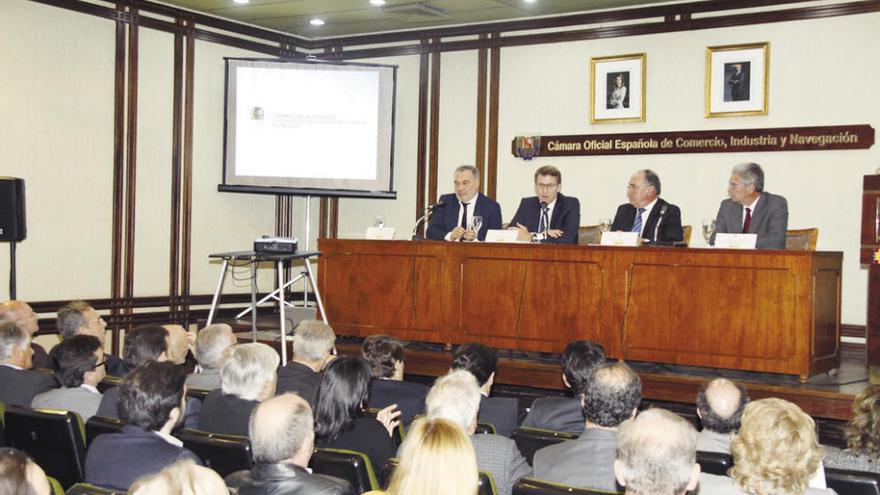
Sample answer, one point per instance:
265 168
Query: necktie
747 221
542 225
463 223
637 225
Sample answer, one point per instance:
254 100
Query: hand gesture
456 234
469 235
554 233
523 234
389 417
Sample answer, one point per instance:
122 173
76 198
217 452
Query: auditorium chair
848 482
714 462
2 425
350 465
54 486
225 454
487 482
89 489
530 440
483 428
529 486
589 234
687 229
97 425
801 239
197 393
54 439
108 382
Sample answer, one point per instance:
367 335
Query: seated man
179 343
385 357
21 314
720 404
80 318
282 433
613 395
79 367
550 216
314 345
453 221
151 399
481 361
18 383
656 455
579 360
212 345
456 398
247 378
752 210
142 344
646 213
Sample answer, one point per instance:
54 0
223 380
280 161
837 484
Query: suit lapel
759 214
651 221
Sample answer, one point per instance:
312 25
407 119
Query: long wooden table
771 311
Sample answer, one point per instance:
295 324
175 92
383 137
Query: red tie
748 220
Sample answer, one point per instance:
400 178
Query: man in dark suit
80 318
26 318
454 221
314 345
385 356
579 360
18 383
653 218
752 210
481 362
142 344
151 399
549 216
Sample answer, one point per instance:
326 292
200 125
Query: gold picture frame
617 88
737 80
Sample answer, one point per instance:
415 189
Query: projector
275 245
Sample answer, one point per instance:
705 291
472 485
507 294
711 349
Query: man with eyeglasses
752 210
80 318
646 213
79 367
549 216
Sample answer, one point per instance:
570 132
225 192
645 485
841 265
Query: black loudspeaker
12 217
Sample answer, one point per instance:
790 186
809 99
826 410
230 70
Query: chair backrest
487 482
852 482
801 239
687 234
2 425
530 440
589 234
89 489
714 462
350 465
197 393
484 428
108 382
529 486
98 425
54 439
225 454
55 486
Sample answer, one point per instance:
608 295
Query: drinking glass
604 224
476 223
380 222
708 228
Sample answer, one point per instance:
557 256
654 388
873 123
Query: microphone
659 219
429 210
439 204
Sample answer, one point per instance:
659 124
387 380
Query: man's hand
469 235
389 417
554 233
456 234
523 233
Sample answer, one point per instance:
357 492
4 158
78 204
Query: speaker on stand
13 225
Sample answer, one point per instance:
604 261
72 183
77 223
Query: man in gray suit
80 318
18 384
720 404
614 394
456 397
79 366
212 347
752 210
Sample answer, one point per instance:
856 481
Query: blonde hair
776 450
180 478
863 431
436 458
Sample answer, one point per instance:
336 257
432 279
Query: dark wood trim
131 158
482 78
187 196
323 217
334 218
422 133
853 330
176 139
434 147
118 174
494 89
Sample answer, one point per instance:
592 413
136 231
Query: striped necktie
637 225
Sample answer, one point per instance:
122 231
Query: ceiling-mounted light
317 21
241 1
377 3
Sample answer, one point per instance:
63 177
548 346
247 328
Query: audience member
79 367
151 399
775 451
282 440
18 383
613 395
456 398
720 405
181 478
80 318
248 378
142 344
19 475
385 357
26 318
179 343
340 421
862 436
313 347
435 459
481 362
212 345
656 454
579 359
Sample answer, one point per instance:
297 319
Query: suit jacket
769 220
711 484
226 413
502 412
77 399
670 228
19 387
368 436
116 460
587 462
110 401
409 397
114 365
40 359
557 414
566 217
286 479
501 457
204 380
710 441
299 378
445 219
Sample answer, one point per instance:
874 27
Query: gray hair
469 168
313 340
751 173
657 451
247 369
275 441
211 343
652 179
454 397
71 318
12 338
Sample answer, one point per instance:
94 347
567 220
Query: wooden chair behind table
687 234
801 239
589 234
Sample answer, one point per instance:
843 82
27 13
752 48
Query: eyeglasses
633 186
545 187
98 365
734 185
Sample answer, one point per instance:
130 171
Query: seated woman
385 356
435 459
862 436
340 420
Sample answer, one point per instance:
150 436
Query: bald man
25 318
179 343
720 404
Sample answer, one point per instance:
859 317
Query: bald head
177 344
21 314
720 405
282 430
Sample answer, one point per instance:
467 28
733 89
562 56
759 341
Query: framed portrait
736 79
617 88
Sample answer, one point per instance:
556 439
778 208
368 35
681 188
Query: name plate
619 239
380 233
736 241
500 235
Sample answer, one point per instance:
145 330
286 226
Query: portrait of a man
736 81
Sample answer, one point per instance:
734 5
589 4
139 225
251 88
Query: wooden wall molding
482 81
434 148
494 90
422 132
